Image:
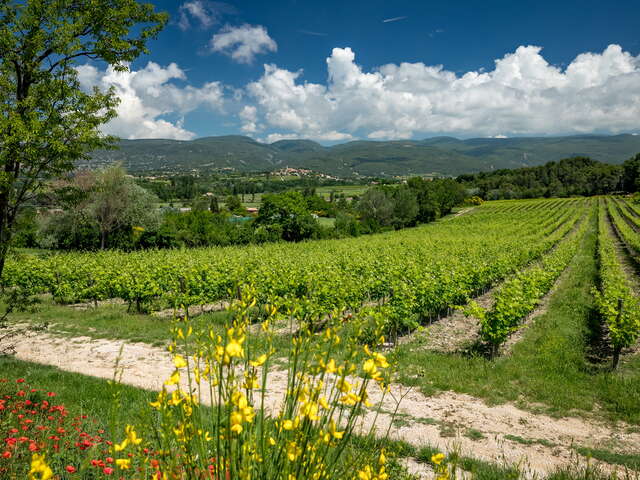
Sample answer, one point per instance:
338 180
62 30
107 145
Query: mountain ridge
437 155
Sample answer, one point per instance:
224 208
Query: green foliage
376 208
418 271
47 122
287 213
234 205
103 209
631 174
571 176
519 295
614 299
436 197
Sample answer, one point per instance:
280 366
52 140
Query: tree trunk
5 230
103 239
616 358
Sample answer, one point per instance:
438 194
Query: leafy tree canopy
47 121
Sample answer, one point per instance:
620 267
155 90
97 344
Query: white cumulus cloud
522 95
243 43
147 95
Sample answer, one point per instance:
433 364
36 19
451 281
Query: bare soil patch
452 333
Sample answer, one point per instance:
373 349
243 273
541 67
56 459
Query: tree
117 201
631 174
288 214
405 209
234 205
376 207
47 121
214 207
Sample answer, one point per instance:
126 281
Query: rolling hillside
440 155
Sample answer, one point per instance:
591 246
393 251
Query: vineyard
402 279
542 293
418 272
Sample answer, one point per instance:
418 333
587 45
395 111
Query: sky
334 71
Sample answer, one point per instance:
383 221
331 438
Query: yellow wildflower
366 473
381 360
243 413
161 398
259 361
293 451
291 424
174 379
251 381
332 433
350 399
179 361
39 466
234 349
437 458
329 367
123 463
344 386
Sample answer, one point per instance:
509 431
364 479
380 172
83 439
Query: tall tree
376 207
47 122
117 201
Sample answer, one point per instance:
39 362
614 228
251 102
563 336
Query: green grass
81 394
629 460
480 469
474 434
107 321
115 323
529 441
548 366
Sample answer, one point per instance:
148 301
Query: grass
529 441
81 394
480 469
629 460
115 323
548 366
107 321
474 434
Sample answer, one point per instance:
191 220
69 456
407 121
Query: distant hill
438 155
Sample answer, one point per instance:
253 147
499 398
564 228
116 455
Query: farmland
526 304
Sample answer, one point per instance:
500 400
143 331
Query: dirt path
442 421
452 333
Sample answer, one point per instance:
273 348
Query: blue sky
340 70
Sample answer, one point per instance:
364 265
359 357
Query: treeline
109 209
568 177
184 187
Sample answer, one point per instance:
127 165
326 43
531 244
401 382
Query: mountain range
438 155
